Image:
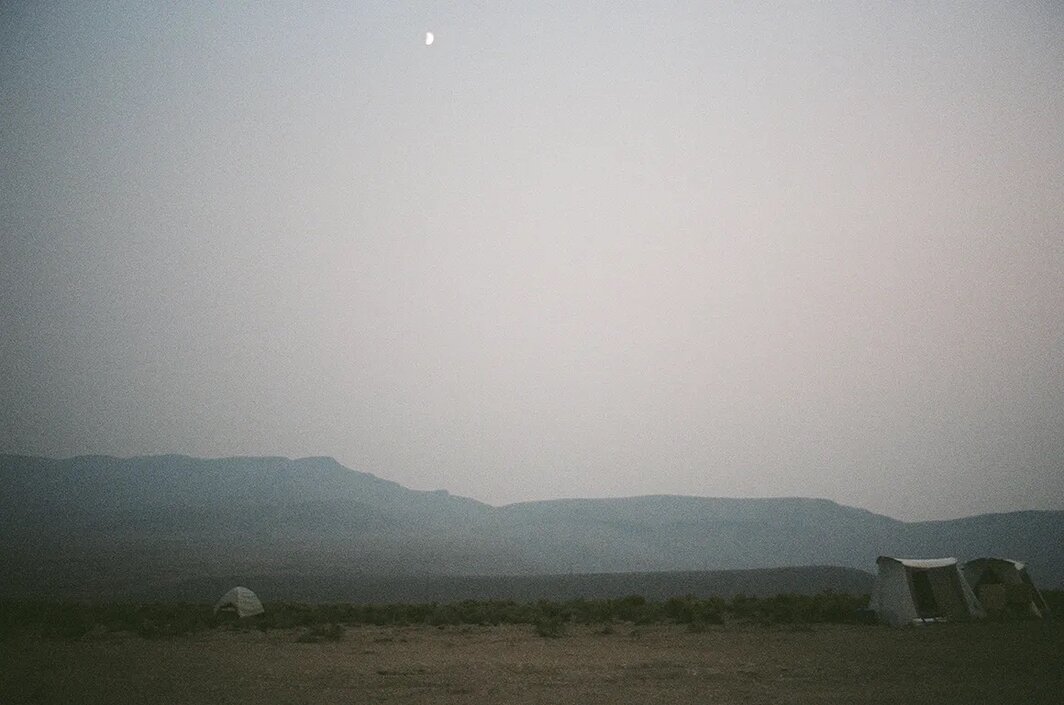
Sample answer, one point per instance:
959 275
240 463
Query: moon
429 38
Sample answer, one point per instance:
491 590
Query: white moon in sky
429 38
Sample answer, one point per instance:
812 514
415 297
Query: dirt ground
977 663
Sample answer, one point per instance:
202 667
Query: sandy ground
982 663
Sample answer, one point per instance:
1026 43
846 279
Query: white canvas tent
1004 588
241 601
915 591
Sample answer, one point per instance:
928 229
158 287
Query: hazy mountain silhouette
99 525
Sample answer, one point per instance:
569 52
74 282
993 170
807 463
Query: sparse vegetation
549 618
77 620
608 662
550 627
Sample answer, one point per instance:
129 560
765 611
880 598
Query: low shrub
321 632
550 627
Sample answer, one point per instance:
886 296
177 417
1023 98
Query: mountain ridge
557 500
154 520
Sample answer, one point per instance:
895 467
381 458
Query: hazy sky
570 249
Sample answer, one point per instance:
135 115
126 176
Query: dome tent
1005 588
241 601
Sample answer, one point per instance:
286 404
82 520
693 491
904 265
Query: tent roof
244 601
920 562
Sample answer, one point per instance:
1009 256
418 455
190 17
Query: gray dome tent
241 601
1004 588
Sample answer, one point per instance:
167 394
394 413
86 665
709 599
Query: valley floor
977 663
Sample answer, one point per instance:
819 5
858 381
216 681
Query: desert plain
619 663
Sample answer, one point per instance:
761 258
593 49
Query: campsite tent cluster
907 591
918 591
